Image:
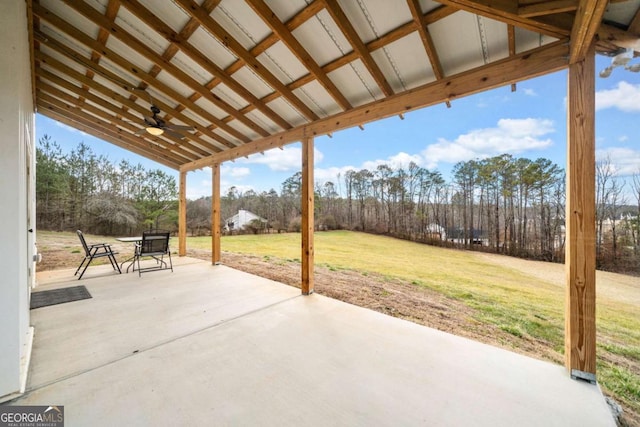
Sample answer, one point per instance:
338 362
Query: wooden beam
427 41
394 35
79 110
174 145
547 8
141 48
634 25
586 24
115 137
182 44
388 38
617 37
215 214
134 71
111 94
543 60
300 18
580 262
272 20
511 36
507 11
187 31
358 46
182 215
307 204
196 11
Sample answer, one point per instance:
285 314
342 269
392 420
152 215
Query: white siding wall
16 193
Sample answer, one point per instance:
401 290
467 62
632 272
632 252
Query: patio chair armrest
100 245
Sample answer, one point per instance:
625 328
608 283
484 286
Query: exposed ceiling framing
253 75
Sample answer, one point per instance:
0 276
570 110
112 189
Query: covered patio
216 344
196 84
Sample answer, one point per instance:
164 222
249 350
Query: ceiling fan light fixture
155 131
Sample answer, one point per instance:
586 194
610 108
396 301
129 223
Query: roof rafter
237 49
388 38
507 11
85 122
53 95
511 37
179 144
270 18
427 41
526 65
358 46
547 8
99 20
183 44
585 26
112 11
91 129
187 31
138 73
88 112
60 48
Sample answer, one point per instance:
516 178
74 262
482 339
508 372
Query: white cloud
68 128
235 172
529 92
225 186
400 160
322 175
624 161
625 97
287 159
510 136
623 138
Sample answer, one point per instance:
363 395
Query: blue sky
530 122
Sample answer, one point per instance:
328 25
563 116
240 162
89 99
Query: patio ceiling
253 75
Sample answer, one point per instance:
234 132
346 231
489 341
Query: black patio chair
100 250
154 244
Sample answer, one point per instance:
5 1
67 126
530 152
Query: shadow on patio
218 345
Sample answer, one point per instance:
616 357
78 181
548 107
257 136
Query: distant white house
240 220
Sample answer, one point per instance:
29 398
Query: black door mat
58 296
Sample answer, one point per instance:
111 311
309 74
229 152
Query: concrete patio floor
216 346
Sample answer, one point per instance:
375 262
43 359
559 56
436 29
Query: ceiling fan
621 58
155 126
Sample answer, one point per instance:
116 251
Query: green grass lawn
517 303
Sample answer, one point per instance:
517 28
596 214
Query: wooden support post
580 254
182 215
215 214
307 216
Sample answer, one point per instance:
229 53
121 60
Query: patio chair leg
114 263
80 266
85 268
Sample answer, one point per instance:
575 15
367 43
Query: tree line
504 204
81 190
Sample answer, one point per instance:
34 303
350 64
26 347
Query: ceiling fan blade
150 121
140 131
169 132
635 68
606 72
179 127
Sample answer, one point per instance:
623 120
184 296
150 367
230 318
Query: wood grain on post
307 216
182 215
580 262
215 213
